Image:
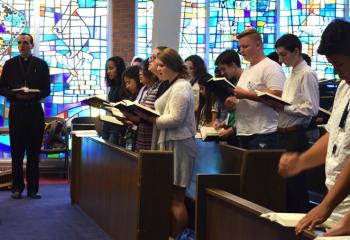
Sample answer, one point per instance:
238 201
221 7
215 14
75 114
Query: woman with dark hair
175 129
146 97
131 82
198 73
115 67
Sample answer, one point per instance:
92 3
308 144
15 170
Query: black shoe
16 195
34 195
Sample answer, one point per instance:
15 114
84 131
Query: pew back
125 193
259 179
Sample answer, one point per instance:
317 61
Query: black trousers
26 124
297 193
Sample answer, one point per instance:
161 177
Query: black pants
297 193
26 124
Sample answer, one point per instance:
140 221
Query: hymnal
130 106
111 119
209 134
221 87
97 102
272 98
292 219
26 90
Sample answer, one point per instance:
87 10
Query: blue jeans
259 141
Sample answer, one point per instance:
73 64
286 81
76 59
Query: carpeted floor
52 217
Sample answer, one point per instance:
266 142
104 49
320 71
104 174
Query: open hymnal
130 106
111 119
209 134
272 98
221 87
291 219
222 81
26 90
97 102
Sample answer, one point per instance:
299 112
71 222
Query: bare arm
337 193
293 163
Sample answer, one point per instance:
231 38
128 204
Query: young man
301 89
333 148
255 121
229 64
26 117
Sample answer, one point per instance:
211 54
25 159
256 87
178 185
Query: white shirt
301 89
255 117
341 138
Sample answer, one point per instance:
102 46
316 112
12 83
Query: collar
25 59
299 67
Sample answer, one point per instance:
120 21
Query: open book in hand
130 106
292 219
209 134
97 102
26 90
221 87
111 119
272 98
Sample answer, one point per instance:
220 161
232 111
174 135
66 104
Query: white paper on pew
291 219
333 238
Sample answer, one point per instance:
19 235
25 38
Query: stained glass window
229 18
307 20
272 18
144 21
193 26
72 39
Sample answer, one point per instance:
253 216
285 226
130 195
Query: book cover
209 134
292 219
221 87
130 106
26 90
272 98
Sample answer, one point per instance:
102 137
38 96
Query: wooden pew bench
225 216
126 193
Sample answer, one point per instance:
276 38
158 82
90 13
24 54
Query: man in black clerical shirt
25 80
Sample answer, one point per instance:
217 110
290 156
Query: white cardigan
177 120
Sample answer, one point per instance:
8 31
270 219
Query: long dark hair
120 65
207 103
200 69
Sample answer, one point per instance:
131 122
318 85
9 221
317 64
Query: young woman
146 97
175 129
115 67
198 73
207 113
132 83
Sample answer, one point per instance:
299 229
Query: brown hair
251 32
172 60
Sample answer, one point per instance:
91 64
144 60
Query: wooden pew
223 215
259 181
125 193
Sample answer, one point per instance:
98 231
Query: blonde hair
173 60
251 32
